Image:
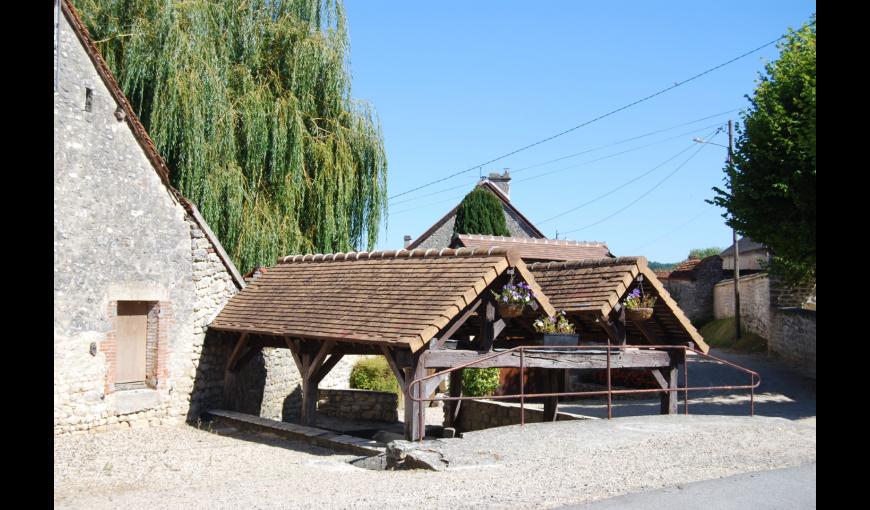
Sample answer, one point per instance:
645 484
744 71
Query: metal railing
416 384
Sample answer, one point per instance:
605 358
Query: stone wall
359 404
695 295
754 302
485 414
793 337
120 235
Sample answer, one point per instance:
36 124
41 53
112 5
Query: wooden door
131 334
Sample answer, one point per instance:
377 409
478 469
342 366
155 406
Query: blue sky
456 84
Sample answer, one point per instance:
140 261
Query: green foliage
481 212
479 382
771 183
558 324
722 333
248 101
374 374
662 266
702 253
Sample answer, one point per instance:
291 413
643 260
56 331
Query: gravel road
540 466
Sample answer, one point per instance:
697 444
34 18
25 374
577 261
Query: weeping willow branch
248 101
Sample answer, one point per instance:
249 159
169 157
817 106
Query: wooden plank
540 358
237 351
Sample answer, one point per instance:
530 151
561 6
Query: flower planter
510 310
638 314
560 339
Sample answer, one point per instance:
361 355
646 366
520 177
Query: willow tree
248 101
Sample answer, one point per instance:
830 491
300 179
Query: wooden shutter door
132 327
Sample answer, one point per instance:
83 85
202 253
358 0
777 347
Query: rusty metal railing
416 384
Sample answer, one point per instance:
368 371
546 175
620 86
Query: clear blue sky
459 83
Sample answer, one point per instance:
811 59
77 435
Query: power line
669 232
603 116
627 140
681 165
681 135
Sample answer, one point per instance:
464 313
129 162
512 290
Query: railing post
609 388
686 381
522 387
751 395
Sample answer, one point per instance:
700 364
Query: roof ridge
396 254
573 264
532 240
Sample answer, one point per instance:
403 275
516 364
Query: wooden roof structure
537 249
393 298
589 290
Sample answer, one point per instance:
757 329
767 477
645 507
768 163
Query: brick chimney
407 240
502 181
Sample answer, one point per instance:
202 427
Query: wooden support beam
555 384
293 345
458 323
453 406
394 366
487 326
311 364
413 424
237 352
647 332
328 365
541 358
319 358
667 379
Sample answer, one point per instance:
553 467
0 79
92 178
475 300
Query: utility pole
736 251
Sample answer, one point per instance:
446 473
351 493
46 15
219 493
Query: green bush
479 382
374 374
481 212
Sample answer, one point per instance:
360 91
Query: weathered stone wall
754 302
486 414
119 235
359 404
793 337
695 296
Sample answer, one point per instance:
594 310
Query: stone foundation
483 414
359 404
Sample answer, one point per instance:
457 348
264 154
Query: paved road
783 392
790 488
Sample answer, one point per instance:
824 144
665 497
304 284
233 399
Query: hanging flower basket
510 310
639 314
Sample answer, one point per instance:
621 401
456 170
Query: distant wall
484 414
754 302
695 295
793 337
359 404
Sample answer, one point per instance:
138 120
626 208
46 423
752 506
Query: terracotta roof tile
401 298
595 286
537 249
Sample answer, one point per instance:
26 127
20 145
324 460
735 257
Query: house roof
688 269
485 183
394 298
537 249
142 137
593 287
744 244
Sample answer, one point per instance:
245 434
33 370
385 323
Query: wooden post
487 326
412 408
668 379
556 381
310 381
453 406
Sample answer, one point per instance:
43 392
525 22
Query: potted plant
556 330
513 298
639 307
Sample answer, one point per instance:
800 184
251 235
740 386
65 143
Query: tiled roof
486 184
595 286
744 244
141 135
397 298
688 269
537 249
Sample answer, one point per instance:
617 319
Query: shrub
479 382
374 374
481 212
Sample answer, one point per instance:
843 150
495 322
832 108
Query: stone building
691 285
753 256
440 235
138 274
